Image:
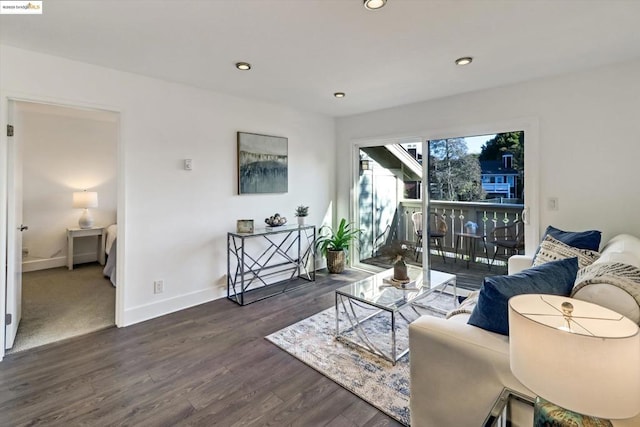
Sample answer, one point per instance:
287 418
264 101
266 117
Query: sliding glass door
475 184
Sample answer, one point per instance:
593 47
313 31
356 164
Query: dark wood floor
207 365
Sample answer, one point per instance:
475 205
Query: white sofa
459 370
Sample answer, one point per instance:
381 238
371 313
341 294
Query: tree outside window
455 174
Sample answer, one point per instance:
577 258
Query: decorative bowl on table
276 220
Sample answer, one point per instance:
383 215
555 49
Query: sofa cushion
613 285
492 312
589 239
552 249
623 248
621 257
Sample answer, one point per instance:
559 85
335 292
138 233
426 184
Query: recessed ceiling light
243 66
374 4
339 94
464 60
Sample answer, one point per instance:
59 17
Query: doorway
57 151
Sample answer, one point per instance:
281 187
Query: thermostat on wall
188 164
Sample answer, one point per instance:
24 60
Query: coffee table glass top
378 291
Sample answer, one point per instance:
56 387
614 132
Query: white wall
64 150
589 141
172 222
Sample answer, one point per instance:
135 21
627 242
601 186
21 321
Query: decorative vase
335 261
301 220
400 271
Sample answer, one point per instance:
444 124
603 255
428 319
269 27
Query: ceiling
302 51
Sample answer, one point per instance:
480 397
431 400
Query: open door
14 233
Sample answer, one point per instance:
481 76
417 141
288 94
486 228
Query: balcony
456 214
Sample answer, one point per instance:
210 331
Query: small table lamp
85 200
582 357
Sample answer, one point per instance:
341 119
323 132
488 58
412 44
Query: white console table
73 233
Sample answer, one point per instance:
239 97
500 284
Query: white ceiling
302 51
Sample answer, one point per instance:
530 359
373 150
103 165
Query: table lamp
582 360
85 200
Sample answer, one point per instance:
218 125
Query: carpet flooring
58 304
382 384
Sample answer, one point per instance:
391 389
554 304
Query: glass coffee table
377 299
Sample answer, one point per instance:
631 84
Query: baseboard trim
160 308
167 306
43 264
46 263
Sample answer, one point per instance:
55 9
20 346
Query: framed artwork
262 164
244 226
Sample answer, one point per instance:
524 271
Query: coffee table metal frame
375 296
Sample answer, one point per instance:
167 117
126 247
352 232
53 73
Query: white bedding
112 233
110 248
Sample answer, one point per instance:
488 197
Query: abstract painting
262 164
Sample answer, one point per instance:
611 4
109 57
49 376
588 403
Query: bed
110 249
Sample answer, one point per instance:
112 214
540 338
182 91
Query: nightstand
73 233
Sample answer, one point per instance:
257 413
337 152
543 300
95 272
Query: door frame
14 219
7 100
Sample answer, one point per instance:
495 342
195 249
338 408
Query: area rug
368 376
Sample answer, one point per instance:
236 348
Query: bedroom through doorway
64 151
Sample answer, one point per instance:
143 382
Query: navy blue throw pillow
492 312
589 239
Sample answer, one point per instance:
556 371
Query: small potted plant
302 212
397 251
335 244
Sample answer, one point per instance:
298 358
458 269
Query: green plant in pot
335 243
302 212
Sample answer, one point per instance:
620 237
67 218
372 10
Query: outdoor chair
508 238
435 236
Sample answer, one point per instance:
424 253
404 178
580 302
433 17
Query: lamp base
546 414
86 220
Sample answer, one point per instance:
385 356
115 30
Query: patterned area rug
370 377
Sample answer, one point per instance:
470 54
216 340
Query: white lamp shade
592 370
85 199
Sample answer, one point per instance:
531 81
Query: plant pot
335 261
400 271
301 220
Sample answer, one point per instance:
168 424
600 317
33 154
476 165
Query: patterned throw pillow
552 249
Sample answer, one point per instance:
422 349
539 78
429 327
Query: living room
582 129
